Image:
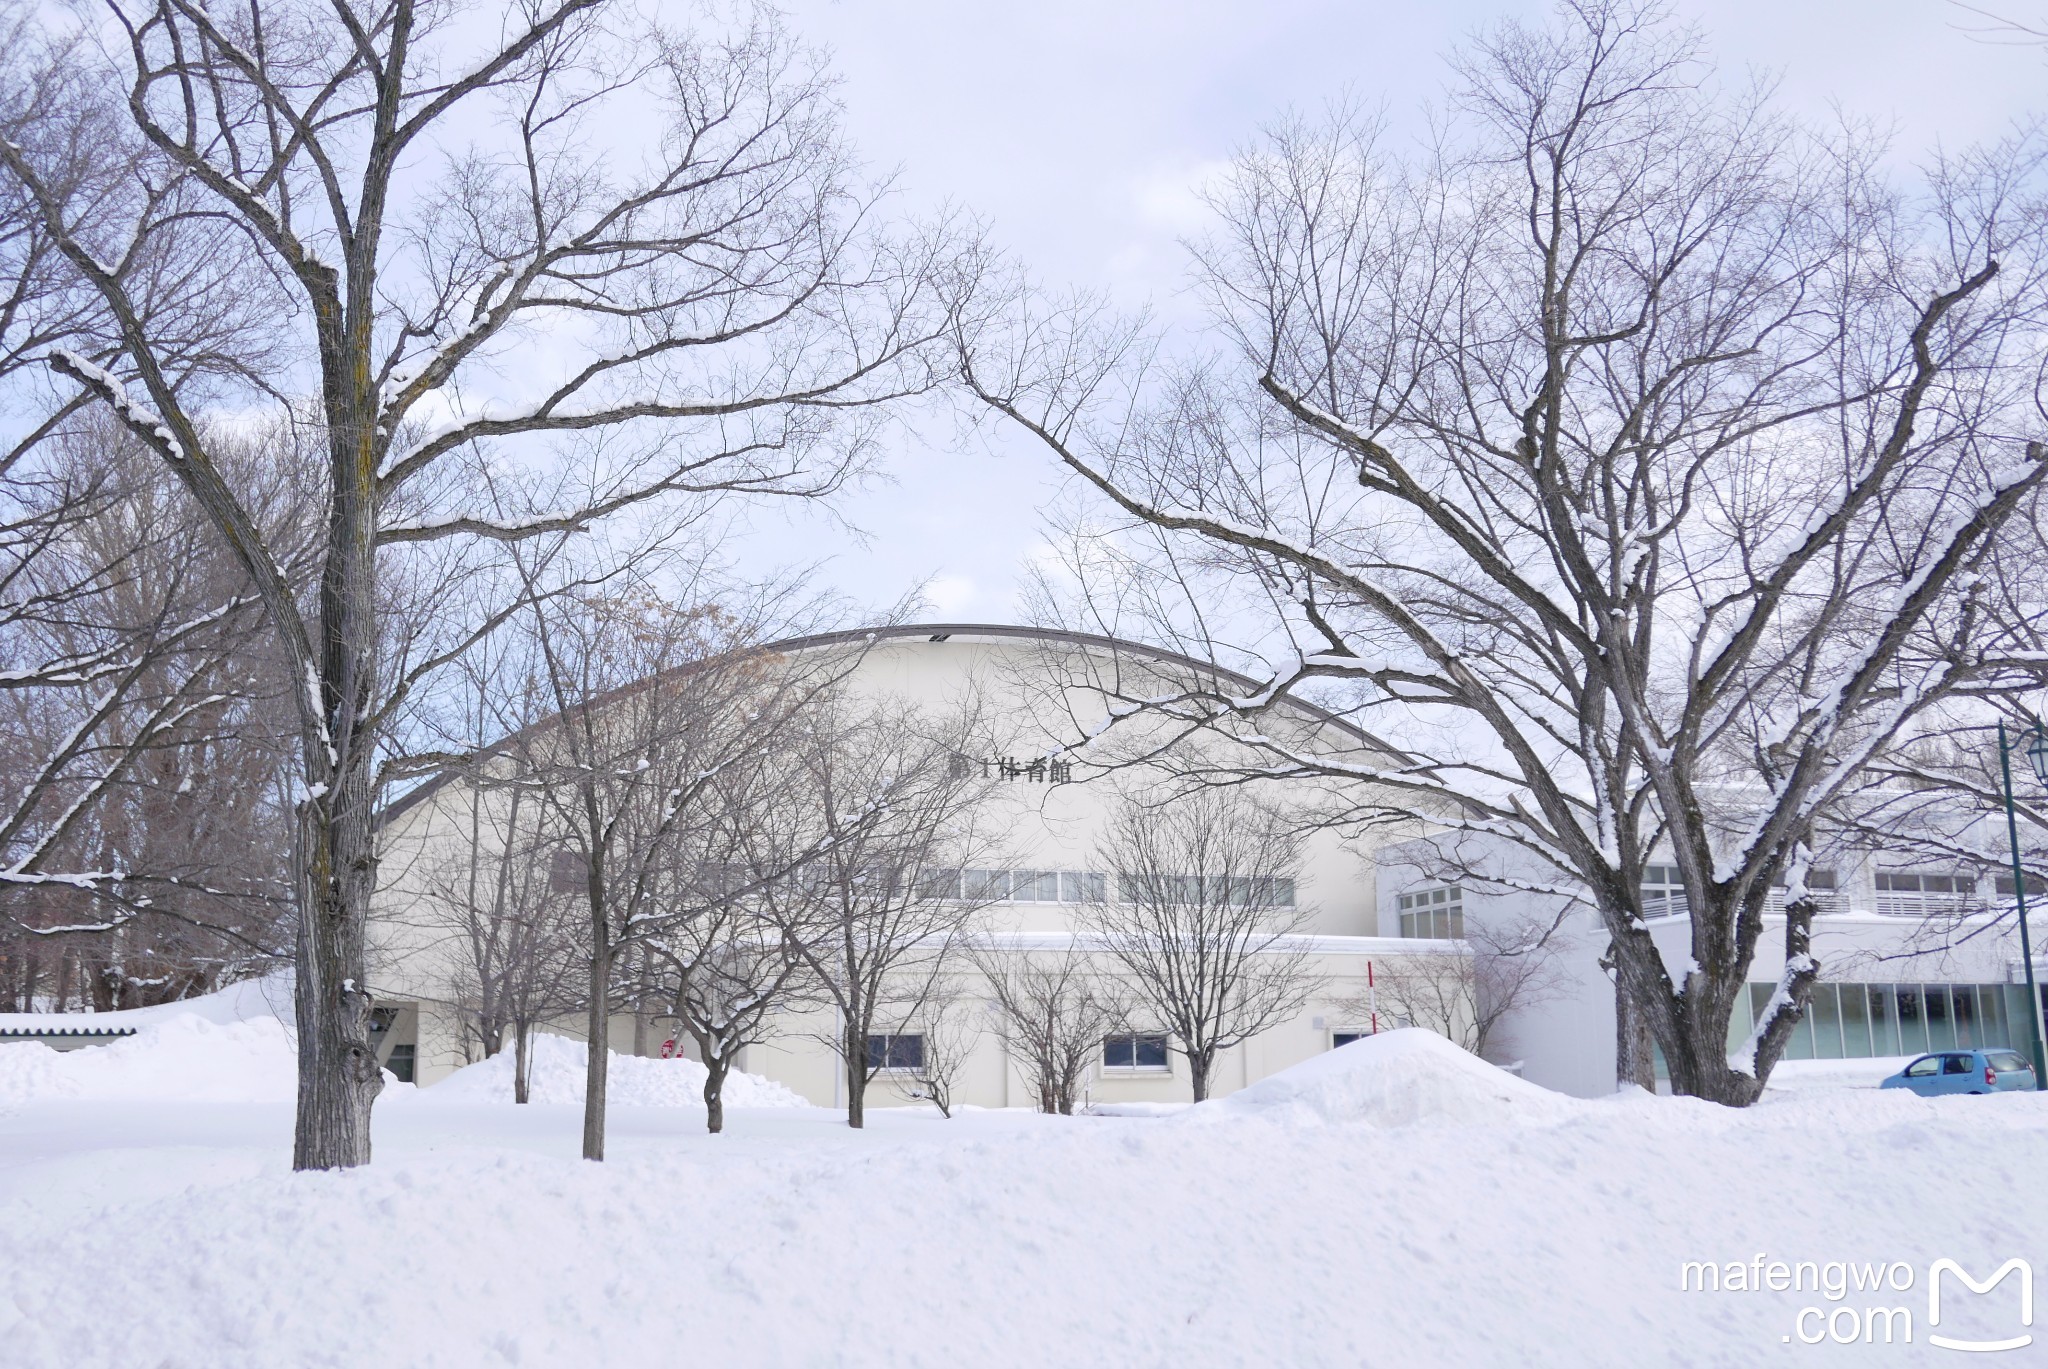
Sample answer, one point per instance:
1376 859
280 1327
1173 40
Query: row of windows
1133 1051
1439 912
1852 1021
1019 886
1664 891
1923 882
1092 886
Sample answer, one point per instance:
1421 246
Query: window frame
1165 1041
1440 907
888 1049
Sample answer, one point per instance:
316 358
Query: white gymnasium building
1043 685
1913 957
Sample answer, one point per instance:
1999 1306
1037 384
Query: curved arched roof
939 632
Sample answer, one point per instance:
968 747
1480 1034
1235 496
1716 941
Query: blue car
1982 1071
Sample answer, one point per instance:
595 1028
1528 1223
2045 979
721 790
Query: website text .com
1873 1302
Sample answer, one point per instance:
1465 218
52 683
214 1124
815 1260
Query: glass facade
1849 1021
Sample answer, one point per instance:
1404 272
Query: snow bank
249 1000
234 1046
557 1077
1396 1079
1863 1073
478 1239
189 1057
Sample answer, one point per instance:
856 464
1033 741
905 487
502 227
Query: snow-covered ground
1393 1203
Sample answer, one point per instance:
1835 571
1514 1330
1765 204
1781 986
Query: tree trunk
1201 1064
522 1059
1700 1066
599 1054
715 1069
338 1074
1690 1021
337 856
1633 1062
856 1047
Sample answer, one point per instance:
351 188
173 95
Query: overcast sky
1077 129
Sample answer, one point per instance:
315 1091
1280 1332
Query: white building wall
1039 693
1568 1042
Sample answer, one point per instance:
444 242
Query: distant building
1040 683
1917 954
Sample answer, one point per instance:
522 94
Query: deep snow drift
1394 1204
1398 1079
236 1046
191 1058
557 1071
247 1000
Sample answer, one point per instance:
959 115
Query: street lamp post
2037 757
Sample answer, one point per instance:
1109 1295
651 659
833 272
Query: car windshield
2006 1060
1924 1066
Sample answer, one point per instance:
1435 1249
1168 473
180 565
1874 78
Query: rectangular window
1822 884
1919 893
1967 1032
1663 891
1272 892
939 883
2036 886
1824 1010
1035 886
895 1051
1941 1024
1922 882
1345 1038
400 1061
1134 1052
1912 1024
985 886
1084 886
1856 1038
1435 914
568 872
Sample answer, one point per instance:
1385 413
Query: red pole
1372 998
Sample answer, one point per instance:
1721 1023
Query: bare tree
517 950
136 816
1997 26
884 905
1639 459
1203 921
406 198
651 709
140 735
1053 1011
1465 992
951 1024
731 962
